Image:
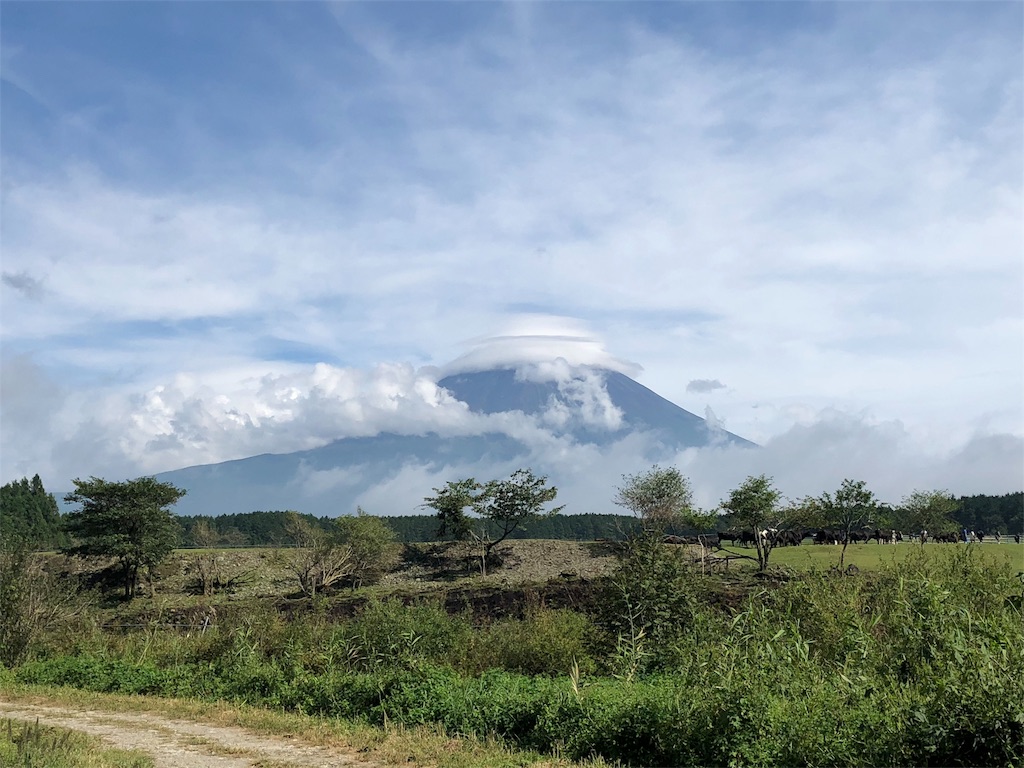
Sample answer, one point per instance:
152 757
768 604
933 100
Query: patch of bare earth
516 562
183 744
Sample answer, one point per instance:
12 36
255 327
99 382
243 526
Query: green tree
30 514
659 498
930 511
757 506
852 507
450 504
130 521
500 507
653 592
371 541
512 503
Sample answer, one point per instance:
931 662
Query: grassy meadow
872 556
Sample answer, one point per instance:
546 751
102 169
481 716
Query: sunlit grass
33 745
866 557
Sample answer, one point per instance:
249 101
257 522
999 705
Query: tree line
268 528
1004 513
29 513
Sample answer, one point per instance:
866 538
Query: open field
872 556
421 568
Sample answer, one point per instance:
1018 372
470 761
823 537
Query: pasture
810 557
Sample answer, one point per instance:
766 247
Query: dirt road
184 744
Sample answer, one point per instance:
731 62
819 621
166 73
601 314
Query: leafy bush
546 642
388 633
653 599
371 541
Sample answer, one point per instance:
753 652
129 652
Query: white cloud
806 460
820 227
591 399
540 348
315 482
818 455
704 385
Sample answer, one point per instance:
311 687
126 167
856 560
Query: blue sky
222 220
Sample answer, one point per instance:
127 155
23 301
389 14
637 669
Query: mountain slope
544 422
501 390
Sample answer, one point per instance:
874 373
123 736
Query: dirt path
187 744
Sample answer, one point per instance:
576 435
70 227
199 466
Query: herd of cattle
788 538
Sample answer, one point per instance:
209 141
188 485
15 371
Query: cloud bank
167 426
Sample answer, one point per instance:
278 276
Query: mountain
523 421
642 409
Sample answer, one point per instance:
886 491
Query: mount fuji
559 421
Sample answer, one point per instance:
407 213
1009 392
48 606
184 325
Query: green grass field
870 556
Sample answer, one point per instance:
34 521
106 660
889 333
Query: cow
787 538
824 536
729 536
746 538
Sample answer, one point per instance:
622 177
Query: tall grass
31 745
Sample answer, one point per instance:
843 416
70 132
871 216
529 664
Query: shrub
32 602
546 642
652 599
388 633
371 541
